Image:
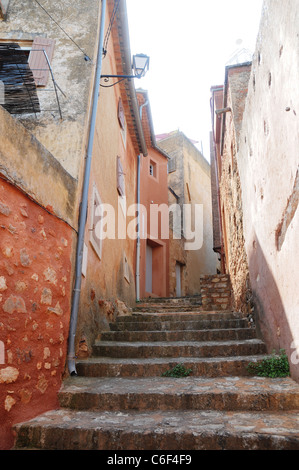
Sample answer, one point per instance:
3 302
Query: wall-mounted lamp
140 66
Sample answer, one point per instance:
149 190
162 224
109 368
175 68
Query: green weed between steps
277 365
177 371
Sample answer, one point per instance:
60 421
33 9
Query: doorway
149 269
178 276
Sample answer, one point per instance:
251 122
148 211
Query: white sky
189 44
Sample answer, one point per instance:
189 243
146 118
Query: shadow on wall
271 319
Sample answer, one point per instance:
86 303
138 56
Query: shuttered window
120 178
95 224
171 165
17 86
121 114
37 60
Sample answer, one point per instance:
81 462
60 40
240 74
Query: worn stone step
189 393
172 300
152 367
179 348
168 308
179 316
180 335
65 429
157 325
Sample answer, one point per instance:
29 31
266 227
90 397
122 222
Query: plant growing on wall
277 365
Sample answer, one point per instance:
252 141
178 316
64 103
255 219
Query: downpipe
84 202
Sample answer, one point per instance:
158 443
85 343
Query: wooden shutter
96 221
120 178
171 165
37 60
121 114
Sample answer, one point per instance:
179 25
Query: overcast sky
189 44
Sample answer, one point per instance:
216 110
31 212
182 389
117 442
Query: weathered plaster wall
197 189
35 278
30 166
191 182
268 165
106 291
64 138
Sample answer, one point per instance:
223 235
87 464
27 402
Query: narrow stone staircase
121 401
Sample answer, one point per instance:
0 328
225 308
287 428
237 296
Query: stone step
180 335
189 393
168 325
169 308
171 300
166 304
179 348
65 429
153 367
178 316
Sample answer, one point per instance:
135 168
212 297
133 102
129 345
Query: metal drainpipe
84 202
138 218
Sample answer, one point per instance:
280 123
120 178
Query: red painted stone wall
35 272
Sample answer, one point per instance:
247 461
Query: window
171 165
120 178
17 81
126 268
122 121
24 65
121 114
95 224
153 169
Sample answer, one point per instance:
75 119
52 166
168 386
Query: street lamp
140 66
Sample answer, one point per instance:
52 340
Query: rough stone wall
215 205
230 188
35 277
268 167
37 233
216 292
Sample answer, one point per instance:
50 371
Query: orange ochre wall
35 276
154 190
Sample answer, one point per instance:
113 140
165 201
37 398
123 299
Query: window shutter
171 165
121 114
95 225
120 178
37 60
